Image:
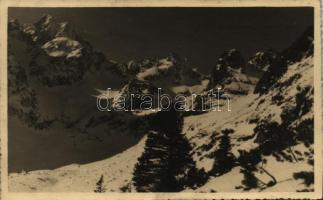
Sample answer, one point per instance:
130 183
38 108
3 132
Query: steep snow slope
284 173
292 91
116 171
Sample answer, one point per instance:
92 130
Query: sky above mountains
200 34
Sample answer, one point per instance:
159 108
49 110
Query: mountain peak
231 58
302 47
227 73
44 21
44 30
261 61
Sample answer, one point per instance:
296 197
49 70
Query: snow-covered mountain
229 74
265 143
170 74
53 75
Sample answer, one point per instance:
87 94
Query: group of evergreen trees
166 164
249 162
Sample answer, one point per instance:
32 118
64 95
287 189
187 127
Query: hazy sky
200 34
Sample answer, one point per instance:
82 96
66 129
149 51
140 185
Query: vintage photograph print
195 101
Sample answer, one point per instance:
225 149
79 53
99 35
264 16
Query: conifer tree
250 181
224 159
99 186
